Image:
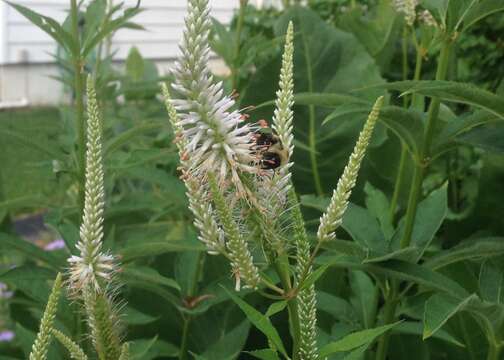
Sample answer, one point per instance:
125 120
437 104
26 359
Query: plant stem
494 351
404 153
187 319
398 182
239 30
282 269
185 337
423 159
388 317
78 64
312 143
405 68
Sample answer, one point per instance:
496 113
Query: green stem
494 351
405 68
401 172
423 160
78 64
185 337
239 30
188 318
388 317
312 136
282 269
398 182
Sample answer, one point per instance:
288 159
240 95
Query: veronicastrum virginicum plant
245 210
91 281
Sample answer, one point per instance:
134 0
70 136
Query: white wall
163 20
25 51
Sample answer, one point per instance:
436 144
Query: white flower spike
217 139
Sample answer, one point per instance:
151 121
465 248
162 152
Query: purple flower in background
55 245
6 336
4 294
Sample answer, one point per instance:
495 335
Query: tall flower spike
282 119
239 254
307 298
218 141
93 267
41 344
408 8
204 217
333 217
274 188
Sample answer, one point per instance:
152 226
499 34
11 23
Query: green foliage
363 295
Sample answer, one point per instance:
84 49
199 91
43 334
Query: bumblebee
272 153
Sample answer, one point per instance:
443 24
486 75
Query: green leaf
479 248
230 344
416 328
491 282
31 251
439 309
378 205
430 215
148 349
377 30
313 277
30 279
109 28
260 321
276 307
143 273
49 26
135 317
407 124
264 354
133 252
135 64
481 10
365 297
420 275
355 340
489 137
453 91
364 229
337 307
319 47
126 136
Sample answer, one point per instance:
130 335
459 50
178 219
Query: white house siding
25 51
